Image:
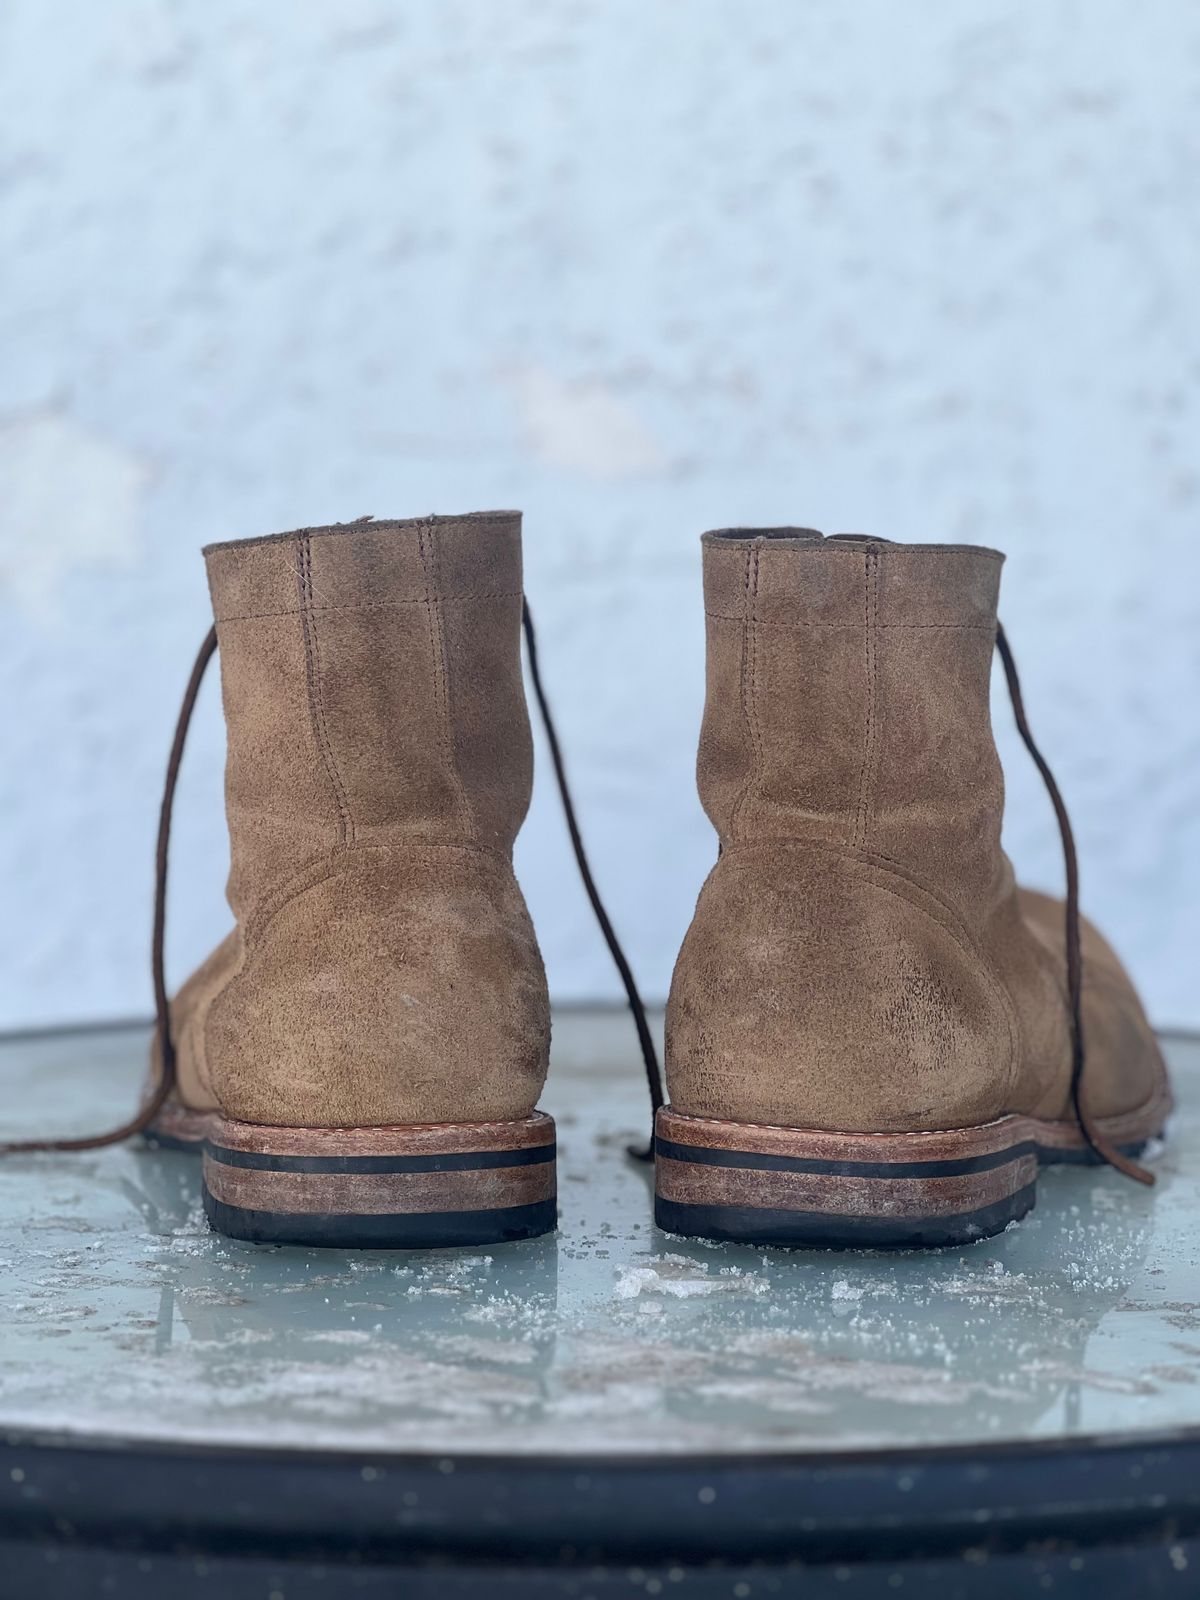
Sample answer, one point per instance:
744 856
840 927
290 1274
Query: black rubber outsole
418 1230
819 1230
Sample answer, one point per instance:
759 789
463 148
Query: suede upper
383 968
861 958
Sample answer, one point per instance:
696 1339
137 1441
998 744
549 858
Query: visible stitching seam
204 1010
373 605
427 546
880 1139
316 703
949 919
459 524
749 667
873 559
870 617
253 927
329 866
778 622
844 550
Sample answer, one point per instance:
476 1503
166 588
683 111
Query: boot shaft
848 700
371 678
873 1036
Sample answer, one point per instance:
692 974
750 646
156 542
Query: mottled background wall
639 267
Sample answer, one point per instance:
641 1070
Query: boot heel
382 1188
809 1188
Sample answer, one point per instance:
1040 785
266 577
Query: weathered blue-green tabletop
123 1316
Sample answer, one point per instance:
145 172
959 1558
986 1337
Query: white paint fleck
582 427
69 502
643 270
684 1279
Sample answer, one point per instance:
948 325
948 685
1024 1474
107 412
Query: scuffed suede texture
383 968
403 986
861 958
189 1020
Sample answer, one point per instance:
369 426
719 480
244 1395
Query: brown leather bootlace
166 1079
162 1013
1099 1145
645 1038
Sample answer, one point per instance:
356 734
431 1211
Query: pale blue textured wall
640 268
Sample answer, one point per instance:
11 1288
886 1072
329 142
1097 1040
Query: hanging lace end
95 1141
1131 1169
637 1008
165 1084
1096 1142
1104 1151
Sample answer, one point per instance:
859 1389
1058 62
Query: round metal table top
644 1383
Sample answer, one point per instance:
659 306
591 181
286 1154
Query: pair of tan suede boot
873 1036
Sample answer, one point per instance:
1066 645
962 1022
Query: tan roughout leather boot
361 1058
874 1036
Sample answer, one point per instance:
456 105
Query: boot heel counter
816 990
403 986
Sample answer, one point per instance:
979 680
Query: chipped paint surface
582 427
640 268
70 501
124 1314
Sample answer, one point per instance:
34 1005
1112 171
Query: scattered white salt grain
683 1279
